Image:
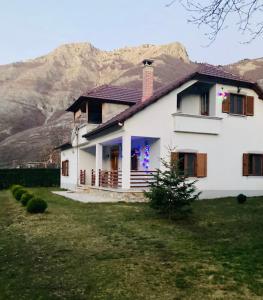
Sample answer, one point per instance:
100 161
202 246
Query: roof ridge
124 87
99 87
96 88
222 69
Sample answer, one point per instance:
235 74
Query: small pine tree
171 192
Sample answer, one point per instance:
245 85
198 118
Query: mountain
250 68
35 93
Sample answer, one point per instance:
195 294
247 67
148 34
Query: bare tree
216 13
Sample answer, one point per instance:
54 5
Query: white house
212 120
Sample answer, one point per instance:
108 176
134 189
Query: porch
124 163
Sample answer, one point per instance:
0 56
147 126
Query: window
95 113
187 164
205 104
65 168
237 104
179 100
191 164
253 164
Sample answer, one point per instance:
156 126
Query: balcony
197 124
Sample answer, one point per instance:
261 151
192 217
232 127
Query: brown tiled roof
116 93
109 93
219 72
202 71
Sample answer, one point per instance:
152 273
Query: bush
25 198
19 193
241 198
172 193
15 187
36 205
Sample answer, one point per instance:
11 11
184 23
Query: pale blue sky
31 28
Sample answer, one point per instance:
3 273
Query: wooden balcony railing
113 179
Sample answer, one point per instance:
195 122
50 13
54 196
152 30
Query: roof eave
241 83
93 134
63 147
75 106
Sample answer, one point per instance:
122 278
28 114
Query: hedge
29 177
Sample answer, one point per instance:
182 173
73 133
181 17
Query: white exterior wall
238 135
87 163
70 182
110 110
191 104
224 146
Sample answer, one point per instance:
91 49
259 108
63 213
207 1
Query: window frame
204 103
65 168
252 163
185 161
235 112
92 112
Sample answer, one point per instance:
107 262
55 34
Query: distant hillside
250 68
34 94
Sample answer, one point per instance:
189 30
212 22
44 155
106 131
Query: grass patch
127 251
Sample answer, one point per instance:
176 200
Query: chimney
147 79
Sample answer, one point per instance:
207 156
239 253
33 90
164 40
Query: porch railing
113 179
82 176
93 177
142 179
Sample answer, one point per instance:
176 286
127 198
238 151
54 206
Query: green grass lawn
127 251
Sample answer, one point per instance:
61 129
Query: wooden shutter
62 168
66 168
226 104
174 157
201 165
245 164
250 106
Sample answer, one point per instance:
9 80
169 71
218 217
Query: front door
114 158
114 167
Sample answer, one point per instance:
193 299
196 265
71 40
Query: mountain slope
250 68
35 92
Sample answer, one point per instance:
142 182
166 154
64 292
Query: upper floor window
205 104
179 101
95 112
238 105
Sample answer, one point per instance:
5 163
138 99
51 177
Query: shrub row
33 204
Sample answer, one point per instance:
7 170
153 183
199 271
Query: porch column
98 165
126 161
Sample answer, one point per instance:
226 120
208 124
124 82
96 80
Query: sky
31 28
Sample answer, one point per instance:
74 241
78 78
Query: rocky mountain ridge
35 93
